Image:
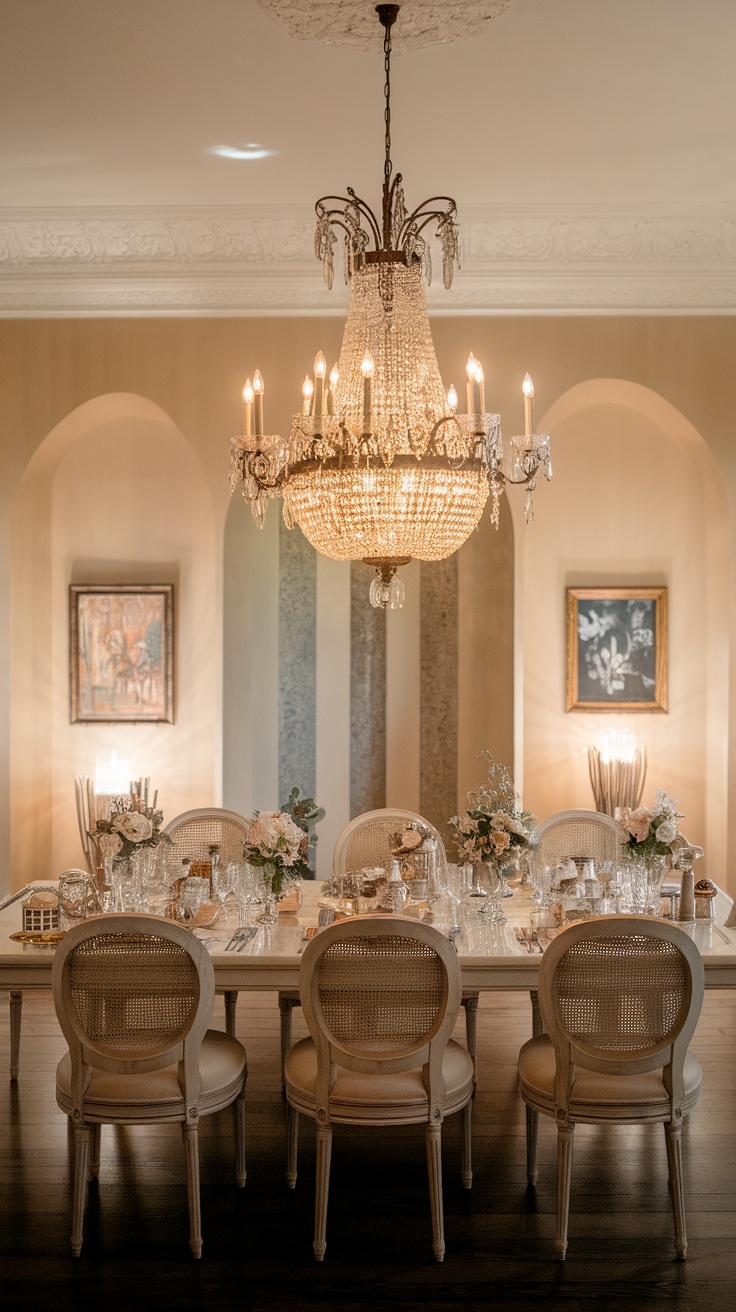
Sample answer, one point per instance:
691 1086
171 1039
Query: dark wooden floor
257 1250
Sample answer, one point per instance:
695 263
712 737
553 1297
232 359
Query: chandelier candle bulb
247 409
479 398
320 369
307 393
334 375
527 388
452 398
470 371
258 402
366 368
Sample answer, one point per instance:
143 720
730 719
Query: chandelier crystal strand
379 466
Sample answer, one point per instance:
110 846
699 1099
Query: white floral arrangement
652 830
275 842
494 827
130 825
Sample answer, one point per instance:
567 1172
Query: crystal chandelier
379 465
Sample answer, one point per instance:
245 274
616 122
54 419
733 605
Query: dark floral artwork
616 649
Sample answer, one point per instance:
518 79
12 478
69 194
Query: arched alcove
637 499
115 494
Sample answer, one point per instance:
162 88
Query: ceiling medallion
380 466
351 22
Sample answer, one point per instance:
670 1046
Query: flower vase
504 888
638 885
492 913
272 876
656 870
124 885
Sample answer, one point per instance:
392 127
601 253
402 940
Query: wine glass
452 885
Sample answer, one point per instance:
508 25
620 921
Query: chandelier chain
387 15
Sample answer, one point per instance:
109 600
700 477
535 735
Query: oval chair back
576 834
195 833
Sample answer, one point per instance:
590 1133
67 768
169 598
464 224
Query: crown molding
259 260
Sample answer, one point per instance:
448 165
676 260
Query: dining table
493 956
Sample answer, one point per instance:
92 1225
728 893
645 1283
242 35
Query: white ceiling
590 145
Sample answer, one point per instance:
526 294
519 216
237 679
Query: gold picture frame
121 653
617 649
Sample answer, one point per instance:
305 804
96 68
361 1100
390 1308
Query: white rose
665 832
263 832
275 833
134 826
500 820
637 822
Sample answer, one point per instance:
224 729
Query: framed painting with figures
121 659
617 649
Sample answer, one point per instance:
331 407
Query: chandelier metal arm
336 216
427 215
522 482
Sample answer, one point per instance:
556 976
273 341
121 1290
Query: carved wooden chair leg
191 1149
324 1154
564 1173
82 1136
16 1009
434 1172
673 1135
292 1144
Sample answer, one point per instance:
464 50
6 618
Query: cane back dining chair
620 997
193 835
366 841
380 995
576 834
134 995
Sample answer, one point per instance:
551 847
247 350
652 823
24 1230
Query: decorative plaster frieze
259 260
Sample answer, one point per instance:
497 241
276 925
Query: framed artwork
617 649
121 656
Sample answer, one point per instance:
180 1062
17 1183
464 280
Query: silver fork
523 940
237 936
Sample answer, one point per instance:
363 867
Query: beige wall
636 500
127 504
189 374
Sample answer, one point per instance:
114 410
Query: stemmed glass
225 882
451 881
489 883
540 878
